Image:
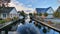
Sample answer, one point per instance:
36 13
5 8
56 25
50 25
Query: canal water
49 31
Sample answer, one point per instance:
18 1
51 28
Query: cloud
29 5
19 6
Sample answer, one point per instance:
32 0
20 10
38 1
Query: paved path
12 32
53 26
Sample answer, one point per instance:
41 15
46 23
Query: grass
2 21
7 20
56 22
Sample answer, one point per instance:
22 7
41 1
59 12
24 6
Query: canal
42 29
48 30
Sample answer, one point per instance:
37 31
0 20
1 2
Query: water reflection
28 28
30 24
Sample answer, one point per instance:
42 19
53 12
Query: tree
30 14
56 14
23 13
5 2
34 14
40 14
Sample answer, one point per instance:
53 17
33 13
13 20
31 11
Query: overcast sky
31 4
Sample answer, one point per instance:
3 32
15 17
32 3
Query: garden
7 20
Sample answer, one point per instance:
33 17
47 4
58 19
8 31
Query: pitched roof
42 10
5 9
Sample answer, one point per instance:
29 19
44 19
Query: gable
14 11
50 11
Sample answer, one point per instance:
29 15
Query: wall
14 13
50 13
2 15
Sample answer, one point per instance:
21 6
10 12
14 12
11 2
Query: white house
8 12
48 10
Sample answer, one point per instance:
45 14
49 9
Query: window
10 15
4 15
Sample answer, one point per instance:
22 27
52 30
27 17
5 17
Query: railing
46 25
8 26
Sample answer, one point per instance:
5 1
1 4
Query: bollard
6 31
0 31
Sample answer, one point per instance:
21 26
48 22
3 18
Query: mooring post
6 31
0 31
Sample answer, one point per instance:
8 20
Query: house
8 12
48 10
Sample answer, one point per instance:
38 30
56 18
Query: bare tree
5 2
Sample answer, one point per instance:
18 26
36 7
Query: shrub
15 18
22 13
8 19
40 14
34 14
56 14
49 22
30 14
45 14
2 21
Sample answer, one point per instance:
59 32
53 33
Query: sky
32 4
